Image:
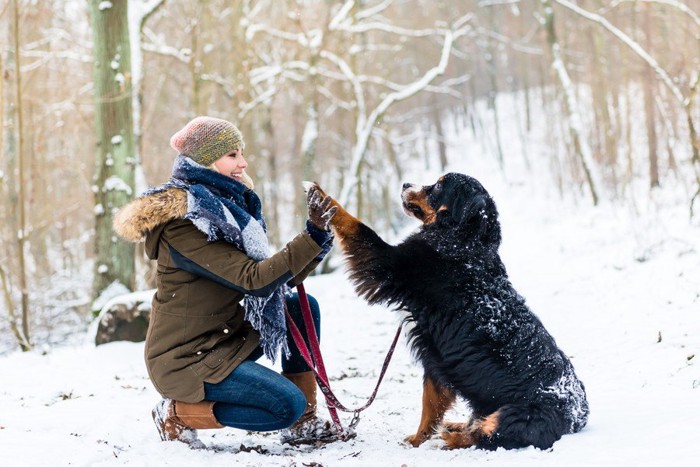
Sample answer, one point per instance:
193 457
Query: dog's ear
458 208
475 214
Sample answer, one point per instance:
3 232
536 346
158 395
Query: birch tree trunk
21 201
114 180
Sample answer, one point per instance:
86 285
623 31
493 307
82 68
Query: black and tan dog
472 332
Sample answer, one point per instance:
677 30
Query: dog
471 331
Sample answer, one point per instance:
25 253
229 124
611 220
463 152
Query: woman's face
232 165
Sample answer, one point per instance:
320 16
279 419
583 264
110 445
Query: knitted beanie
207 139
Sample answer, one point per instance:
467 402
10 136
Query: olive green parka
197 331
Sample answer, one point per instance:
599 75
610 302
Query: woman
205 229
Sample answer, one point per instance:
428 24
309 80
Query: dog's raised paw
308 185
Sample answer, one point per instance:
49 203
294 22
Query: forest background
346 93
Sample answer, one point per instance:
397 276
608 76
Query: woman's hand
320 209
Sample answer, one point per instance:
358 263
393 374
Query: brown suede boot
309 429
177 420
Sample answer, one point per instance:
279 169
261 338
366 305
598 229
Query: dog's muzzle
408 192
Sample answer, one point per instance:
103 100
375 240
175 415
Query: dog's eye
437 186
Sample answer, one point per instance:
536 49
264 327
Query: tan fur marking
458 439
489 424
436 401
464 435
420 200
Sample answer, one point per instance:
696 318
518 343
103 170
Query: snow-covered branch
672 3
253 29
268 72
158 46
443 88
520 46
263 97
334 100
632 44
341 15
364 127
354 81
373 10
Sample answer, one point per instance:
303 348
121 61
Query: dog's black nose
406 186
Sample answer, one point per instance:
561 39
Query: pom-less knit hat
207 139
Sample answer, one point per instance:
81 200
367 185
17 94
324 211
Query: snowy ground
619 292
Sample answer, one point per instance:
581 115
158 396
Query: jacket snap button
199 352
225 331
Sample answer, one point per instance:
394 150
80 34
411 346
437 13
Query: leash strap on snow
314 360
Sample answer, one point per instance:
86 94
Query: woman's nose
242 162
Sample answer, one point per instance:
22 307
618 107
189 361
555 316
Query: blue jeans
256 398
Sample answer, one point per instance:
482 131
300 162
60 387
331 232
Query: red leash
319 367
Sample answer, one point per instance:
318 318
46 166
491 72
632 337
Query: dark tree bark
114 177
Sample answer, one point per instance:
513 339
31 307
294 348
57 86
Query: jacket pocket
214 358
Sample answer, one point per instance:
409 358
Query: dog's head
456 201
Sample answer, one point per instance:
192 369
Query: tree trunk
308 148
437 121
649 108
492 68
575 123
114 180
21 201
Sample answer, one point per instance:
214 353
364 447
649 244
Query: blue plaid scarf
227 210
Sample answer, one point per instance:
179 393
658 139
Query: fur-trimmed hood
143 215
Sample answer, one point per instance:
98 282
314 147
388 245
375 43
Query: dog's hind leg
511 427
436 401
464 435
454 426
521 425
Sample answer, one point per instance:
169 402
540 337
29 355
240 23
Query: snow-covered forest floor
618 288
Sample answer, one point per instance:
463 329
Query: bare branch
341 15
365 125
157 46
673 3
665 78
374 10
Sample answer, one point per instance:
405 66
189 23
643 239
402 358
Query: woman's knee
275 405
294 308
291 407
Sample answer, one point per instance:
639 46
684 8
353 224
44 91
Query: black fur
472 333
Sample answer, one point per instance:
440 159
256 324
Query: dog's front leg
436 401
